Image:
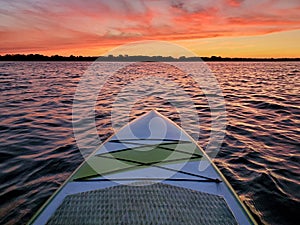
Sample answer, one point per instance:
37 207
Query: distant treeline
126 58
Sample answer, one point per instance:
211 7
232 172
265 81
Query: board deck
149 164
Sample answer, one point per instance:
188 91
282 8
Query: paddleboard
149 172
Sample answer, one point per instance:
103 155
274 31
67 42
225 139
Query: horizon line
125 57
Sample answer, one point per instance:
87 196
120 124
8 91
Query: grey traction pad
146 204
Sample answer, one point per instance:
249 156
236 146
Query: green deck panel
110 163
153 155
96 165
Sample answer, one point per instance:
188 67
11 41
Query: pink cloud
55 24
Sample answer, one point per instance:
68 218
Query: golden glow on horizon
276 45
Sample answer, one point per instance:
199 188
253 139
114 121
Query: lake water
260 155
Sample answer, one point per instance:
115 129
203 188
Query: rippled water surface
260 155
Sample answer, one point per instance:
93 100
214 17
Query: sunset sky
229 28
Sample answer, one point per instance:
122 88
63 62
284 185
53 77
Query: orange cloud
66 26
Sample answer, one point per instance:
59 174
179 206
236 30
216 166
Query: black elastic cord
148 179
153 165
131 167
161 167
150 139
152 145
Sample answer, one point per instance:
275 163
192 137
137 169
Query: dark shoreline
139 58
